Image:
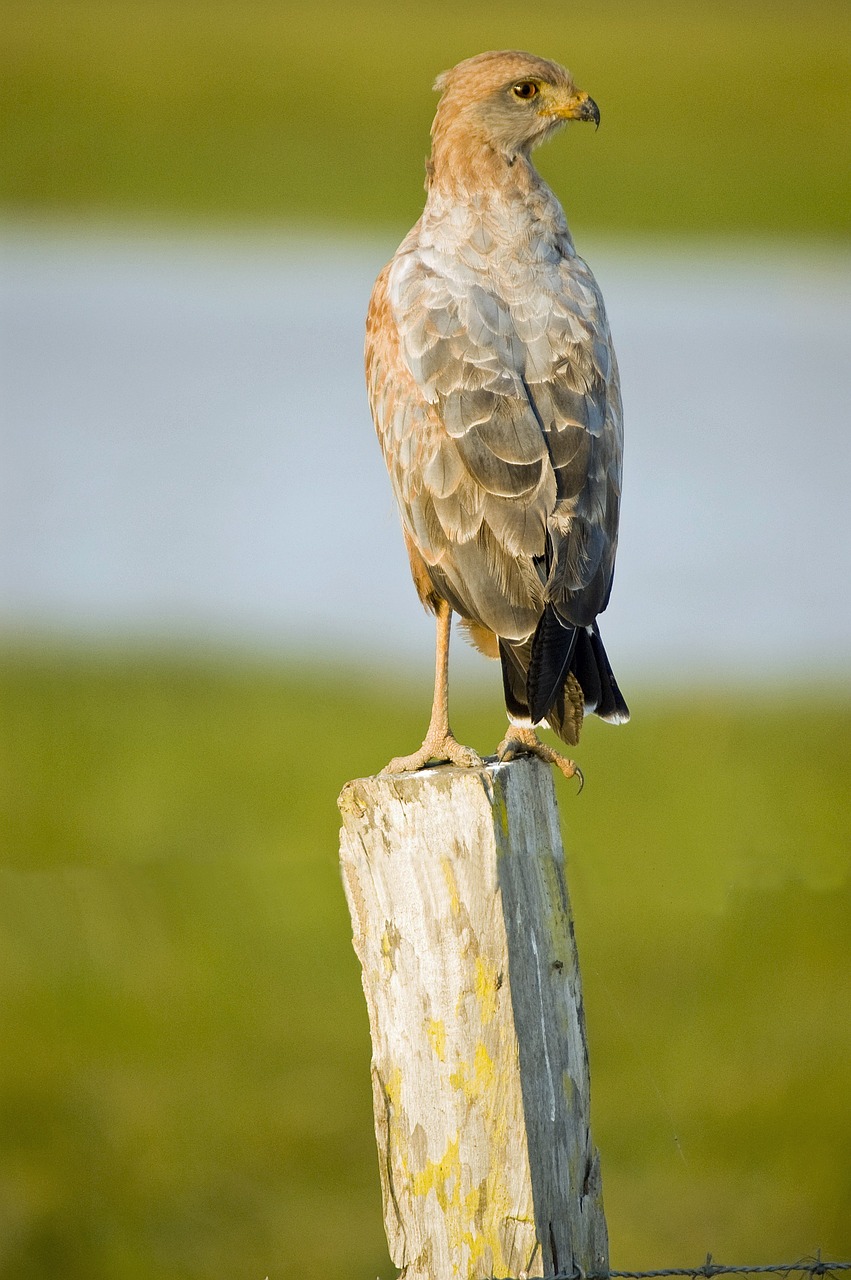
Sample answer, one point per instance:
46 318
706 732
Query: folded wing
498 411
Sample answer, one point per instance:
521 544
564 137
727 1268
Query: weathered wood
456 887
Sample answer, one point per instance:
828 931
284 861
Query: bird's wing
572 379
467 461
490 408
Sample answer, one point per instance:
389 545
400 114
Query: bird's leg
522 740
440 743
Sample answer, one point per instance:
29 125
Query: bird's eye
525 90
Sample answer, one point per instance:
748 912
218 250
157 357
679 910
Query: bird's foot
438 748
520 741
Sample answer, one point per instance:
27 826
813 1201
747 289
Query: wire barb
806 1266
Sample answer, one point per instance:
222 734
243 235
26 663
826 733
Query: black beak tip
590 111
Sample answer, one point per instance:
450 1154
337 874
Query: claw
522 741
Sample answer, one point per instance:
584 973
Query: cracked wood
462 924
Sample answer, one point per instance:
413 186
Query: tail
559 676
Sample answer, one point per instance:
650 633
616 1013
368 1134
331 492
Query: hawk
494 388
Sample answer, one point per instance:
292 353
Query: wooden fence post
462 924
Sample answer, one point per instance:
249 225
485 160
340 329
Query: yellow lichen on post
488 982
436 1032
455 883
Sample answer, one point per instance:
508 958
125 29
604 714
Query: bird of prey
494 388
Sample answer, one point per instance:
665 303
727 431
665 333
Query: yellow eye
525 90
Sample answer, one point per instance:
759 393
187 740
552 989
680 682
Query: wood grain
462 924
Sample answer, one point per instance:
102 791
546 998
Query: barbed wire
816 1266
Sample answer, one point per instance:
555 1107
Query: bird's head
508 101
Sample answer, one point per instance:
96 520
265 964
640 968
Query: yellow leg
440 743
522 741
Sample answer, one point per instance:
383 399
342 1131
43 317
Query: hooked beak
579 107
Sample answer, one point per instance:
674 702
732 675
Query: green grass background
718 117
184 1087
184 1083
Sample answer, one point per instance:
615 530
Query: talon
523 741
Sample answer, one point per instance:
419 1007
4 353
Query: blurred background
207 625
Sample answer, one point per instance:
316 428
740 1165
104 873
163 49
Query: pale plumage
495 393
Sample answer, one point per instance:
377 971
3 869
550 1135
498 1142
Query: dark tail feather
514 680
585 667
593 687
611 706
559 650
552 649
564 716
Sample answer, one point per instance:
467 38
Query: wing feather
497 404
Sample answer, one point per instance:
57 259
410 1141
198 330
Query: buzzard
494 388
